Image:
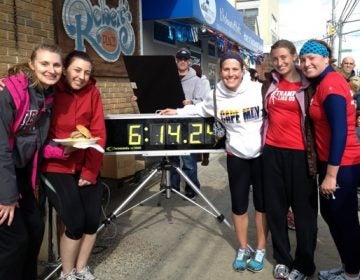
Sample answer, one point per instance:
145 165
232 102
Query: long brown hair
25 68
286 44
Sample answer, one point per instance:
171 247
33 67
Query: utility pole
346 13
340 30
332 25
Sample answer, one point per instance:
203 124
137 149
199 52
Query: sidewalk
178 240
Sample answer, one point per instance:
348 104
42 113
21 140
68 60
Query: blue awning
217 15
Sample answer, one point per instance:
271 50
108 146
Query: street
178 240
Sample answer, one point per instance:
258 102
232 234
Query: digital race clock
146 133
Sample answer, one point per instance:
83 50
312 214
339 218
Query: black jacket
28 141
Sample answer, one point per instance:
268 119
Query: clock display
153 132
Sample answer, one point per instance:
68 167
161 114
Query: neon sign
107 30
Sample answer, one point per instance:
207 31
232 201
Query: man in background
347 67
194 92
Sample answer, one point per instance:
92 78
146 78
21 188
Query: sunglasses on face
182 58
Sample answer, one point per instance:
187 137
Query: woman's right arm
8 187
204 108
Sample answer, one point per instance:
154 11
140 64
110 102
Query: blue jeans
189 166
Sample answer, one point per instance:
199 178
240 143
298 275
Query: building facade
207 28
262 16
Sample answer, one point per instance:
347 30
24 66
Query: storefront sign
220 16
104 29
107 30
228 21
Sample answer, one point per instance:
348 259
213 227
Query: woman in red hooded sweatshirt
71 175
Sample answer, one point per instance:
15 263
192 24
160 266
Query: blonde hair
355 84
25 68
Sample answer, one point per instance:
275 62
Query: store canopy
217 15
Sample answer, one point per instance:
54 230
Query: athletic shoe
342 277
280 271
256 263
191 194
85 274
330 274
296 275
69 276
205 162
241 260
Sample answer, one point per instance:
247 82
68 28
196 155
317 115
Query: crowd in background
347 70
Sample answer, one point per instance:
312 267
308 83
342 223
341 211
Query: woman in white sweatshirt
239 107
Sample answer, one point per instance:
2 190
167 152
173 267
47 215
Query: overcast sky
305 19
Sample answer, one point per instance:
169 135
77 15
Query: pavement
171 238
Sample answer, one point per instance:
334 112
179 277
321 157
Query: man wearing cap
194 92
191 83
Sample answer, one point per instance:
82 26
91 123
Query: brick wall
33 22
116 96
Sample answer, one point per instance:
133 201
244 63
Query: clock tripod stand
164 166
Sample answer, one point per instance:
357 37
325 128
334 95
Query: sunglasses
183 58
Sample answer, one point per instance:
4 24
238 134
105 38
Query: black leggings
341 215
78 207
242 173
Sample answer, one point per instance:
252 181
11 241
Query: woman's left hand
328 185
83 182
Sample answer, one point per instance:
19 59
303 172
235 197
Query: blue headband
315 48
231 55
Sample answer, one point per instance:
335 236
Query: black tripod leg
116 212
220 217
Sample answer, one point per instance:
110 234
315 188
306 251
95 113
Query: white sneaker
69 276
280 271
85 274
296 275
330 274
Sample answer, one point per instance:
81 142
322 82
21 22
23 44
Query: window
162 34
195 44
250 18
211 50
274 24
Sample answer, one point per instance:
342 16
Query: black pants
20 243
341 215
78 207
286 183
